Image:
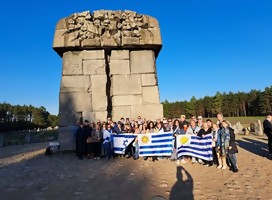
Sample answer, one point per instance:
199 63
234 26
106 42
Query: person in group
117 128
88 132
220 118
183 120
81 139
223 141
215 129
209 122
267 126
96 145
199 121
74 130
138 131
166 126
176 132
231 155
194 118
205 130
139 120
159 128
193 128
107 141
150 127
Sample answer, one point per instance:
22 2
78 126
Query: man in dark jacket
81 141
268 131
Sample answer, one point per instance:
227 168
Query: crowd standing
94 140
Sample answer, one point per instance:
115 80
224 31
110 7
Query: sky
208 46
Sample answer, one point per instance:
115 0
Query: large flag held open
121 142
191 145
155 144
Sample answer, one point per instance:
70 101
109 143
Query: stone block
70 39
120 111
119 67
61 24
66 139
93 55
67 118
75 101
142 62
96 42
128 41
89 116
149 79
94 67
59 39
151 111
120 55
126 84
126 100
75 83
99 96
151 95
72 63
101 115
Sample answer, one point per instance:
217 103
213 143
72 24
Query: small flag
155 144
121 142
191 145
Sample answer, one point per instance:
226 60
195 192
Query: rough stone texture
66 139
121 111
127 100
120 55
93 55
105 28
93 67
151 95
149 79
127 84
142 62
75 83
99 96
66 118
119 67
72 63
101 115
151 111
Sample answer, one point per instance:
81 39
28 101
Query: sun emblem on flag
184 140
145 139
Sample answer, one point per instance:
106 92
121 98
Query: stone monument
108 68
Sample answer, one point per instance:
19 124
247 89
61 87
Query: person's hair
174 124
209 120
148 125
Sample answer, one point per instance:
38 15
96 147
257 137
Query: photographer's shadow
183 188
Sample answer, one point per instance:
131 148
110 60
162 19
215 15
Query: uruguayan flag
121 142
155 144
191 145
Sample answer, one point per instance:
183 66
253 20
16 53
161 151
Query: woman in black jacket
231 156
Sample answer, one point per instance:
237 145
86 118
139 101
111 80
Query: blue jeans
136 155
107 149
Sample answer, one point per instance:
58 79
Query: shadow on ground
257 147
183 188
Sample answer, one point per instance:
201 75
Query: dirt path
28 174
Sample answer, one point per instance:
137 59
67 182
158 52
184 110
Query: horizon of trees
17 117
253 103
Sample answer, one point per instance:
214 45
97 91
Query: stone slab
75 83
72 63
93 67
99 96
142 62
151 95
58 38
121 111
67 118
93 55
126 84
119 55
126 100
119 67
149 79
101 115
66 139
151 111
75 101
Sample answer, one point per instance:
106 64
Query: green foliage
16 117
253 103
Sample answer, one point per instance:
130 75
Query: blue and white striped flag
155 144
121 142
191 145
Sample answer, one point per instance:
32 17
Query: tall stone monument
109 68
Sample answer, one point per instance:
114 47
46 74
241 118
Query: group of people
94 140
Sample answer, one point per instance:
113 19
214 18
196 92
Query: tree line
253 103
17 117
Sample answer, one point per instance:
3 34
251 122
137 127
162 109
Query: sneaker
235 170
183 161
219 167
178 162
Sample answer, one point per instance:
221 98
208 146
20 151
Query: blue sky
208 46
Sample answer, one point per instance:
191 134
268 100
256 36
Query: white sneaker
219 167
178 162
183 161
224 167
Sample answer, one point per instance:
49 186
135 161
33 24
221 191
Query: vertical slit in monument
108 85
